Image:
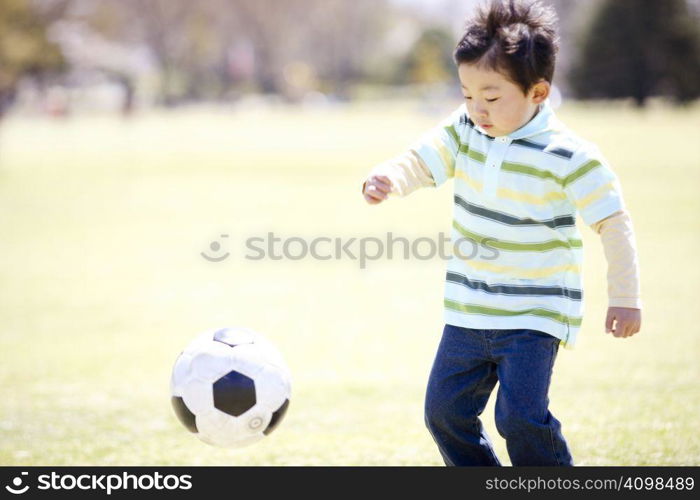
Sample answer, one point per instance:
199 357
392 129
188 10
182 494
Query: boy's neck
537 110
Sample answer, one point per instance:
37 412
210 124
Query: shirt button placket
497 153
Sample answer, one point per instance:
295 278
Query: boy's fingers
374 195
382 178
374 192
381 181
625 328
619 327
370 200
385 188
631 325
609 322
623 322
633 328
637 325
616 325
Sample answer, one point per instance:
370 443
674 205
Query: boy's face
497 104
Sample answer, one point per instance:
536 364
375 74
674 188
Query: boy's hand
376 189
627 321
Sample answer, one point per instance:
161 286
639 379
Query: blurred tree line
218 49
188 51
24 48
639 49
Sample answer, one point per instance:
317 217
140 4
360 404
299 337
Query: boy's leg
460 383
525 362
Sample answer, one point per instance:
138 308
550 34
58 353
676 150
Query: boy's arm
402 175
595 191
429 163
624 306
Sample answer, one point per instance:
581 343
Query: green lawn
101 285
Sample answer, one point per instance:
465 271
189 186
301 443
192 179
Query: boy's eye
467 98
492 100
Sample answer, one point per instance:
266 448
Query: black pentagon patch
184 414
277 417
234 394
233 337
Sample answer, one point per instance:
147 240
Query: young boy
520 178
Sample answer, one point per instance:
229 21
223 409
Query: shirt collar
543 121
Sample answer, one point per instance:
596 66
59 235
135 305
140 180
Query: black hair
516 37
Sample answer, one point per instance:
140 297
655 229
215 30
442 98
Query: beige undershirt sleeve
617 235
407 173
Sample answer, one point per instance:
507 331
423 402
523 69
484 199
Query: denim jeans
467 366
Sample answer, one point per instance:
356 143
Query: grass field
101 285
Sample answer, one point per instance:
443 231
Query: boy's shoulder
563 142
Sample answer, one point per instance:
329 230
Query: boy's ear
540 91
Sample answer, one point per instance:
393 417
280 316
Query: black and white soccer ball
231 387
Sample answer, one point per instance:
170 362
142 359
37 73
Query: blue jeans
467 366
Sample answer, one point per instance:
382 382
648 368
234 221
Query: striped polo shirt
518 253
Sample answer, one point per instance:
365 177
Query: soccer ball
230 387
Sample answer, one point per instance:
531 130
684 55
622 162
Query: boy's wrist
629 302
